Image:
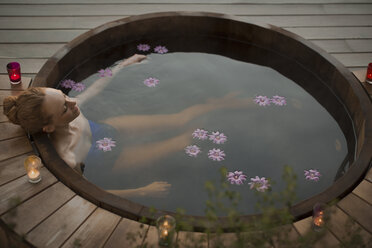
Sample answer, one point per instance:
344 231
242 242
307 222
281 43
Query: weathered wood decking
49 213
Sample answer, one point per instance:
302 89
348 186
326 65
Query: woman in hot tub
74 137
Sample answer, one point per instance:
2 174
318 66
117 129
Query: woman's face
62 108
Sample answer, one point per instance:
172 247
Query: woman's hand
133 59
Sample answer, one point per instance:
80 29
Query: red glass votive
14 72
369 73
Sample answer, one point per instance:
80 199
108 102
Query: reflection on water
214 93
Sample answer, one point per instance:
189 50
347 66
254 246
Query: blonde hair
26 109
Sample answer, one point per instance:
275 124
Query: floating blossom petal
105 144
161 49
260 184
218 138
67 83
79 87
108 72
151 82
216 154
105 72
279 100
192 150
143 47
312 175
200 134
262 100
236 177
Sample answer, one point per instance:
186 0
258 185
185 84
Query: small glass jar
166 226
32 165
318 221
14 72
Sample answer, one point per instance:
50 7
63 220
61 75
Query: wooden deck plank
333 32
354 59
235 9
339 220
36 209
10 130
27 66
53 231
5 83
14 147
188 239
304 226
364 191
357 209
123 233
288 235
21 189
225 239
345 46
39 36
95 230
88 22
15 51
12 168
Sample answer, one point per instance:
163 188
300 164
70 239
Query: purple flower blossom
161 49
151 82
236 177
143 47
216 154
192 150
200 134
260 184
105 144
79 87
262 100
279 100
105 72
67 83
312 175
217 137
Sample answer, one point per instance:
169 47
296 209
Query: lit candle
318 216
369 74
32 164
14 72
166 228
318 221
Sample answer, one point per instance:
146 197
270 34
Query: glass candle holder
369 74
318 221
32 165
166 226
14 72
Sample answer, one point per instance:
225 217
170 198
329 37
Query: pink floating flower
217 137
161 49
262 100
105 144
216 154
151 82
143 47
79 87
105 72
67 83
192 150
200 134
312 175
236 177
260 184
279 100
